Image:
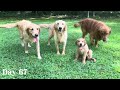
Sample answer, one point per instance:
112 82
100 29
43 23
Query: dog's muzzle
36 35
104 40
80 45
59 29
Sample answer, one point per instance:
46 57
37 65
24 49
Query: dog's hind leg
51 34
89 56
92 39
49 39
84 33
21 37
22 43
96 43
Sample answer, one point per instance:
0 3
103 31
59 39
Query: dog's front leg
84 58
64 46
77 55
38 49
22 43
26 47
57 47
92 39
96 43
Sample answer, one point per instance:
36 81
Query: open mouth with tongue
35 39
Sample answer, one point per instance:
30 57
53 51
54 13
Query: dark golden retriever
98 30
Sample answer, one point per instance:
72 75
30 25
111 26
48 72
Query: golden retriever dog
59 31
29 33
98 30
83 51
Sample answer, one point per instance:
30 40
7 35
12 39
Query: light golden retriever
83 51
29 33
59 31
98 30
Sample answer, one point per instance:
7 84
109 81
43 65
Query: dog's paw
22 44
26 51
58 53
63 53
96 46
75 60
29 45
39 57
48 44
94 60
84 62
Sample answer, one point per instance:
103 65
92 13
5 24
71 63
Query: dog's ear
39 29
65 28
55 26
28 31
76 42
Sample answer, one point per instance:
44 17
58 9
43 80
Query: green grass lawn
52 66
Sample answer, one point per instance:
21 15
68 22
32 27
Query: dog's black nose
36 35
104 40
60 28
80 44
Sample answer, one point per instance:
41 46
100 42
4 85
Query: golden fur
29 33
59 31
83 51
98 30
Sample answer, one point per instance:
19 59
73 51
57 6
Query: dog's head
33 30
60 26
104 32
80 42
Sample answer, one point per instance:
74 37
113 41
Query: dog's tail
8 25
77 24
44 25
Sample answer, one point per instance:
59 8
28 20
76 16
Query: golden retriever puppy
83 51
29 33
98 30
59 31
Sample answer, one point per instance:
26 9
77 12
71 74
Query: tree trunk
88 14
93 13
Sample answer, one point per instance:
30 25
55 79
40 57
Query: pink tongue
35 40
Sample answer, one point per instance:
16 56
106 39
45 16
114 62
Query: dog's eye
62 23
37 28
57 23
32 29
